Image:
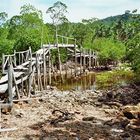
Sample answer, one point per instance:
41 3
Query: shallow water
94 81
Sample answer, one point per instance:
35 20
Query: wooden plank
5 78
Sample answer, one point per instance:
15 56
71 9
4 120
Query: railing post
3 60
30 52
90 59
30 78
15 58
44 67
49 66
10 84
75 56
84 61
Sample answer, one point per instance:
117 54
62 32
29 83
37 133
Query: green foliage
57 13
118 77
26 41
109 50
63 56
3 17
133 52
6 46
79 32
26 29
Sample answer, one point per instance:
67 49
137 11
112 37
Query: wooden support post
59 61
22 85
44 68
30 53
3 60
49 66
15 61
95 63
81 60
90 59
22 56
19 58
97 59
37 69
16 87
10 84
66 64
75 57
84 61
53 70
93 59
30 79
40 77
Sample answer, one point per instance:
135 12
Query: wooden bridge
25 72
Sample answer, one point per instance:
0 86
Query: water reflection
91 82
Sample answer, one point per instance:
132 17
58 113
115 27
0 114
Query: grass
109 78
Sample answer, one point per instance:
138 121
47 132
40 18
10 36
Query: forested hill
112 19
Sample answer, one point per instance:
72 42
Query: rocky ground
76 115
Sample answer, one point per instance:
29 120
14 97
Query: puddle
94 81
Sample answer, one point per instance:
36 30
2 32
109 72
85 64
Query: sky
77 9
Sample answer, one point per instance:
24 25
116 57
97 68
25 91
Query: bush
6 47
133 53
109 50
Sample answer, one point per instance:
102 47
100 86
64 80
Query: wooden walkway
26 72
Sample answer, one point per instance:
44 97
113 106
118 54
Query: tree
57 14
26 28
6 45
3 17
80 32
109 50
133 43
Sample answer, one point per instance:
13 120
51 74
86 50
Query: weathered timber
10 84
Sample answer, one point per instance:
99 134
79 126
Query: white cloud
78 9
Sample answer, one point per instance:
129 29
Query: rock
132 112
6 110
125 135
129 115
91 118
134 127
97 103
18 113
117 130
124 122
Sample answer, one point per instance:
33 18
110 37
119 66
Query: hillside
125 17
